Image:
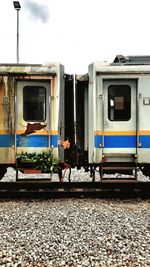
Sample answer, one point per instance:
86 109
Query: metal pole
75 119
17 6
17 36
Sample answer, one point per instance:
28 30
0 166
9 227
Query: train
98 121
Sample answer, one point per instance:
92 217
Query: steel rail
42 189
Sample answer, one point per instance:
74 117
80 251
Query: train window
119 102
34 103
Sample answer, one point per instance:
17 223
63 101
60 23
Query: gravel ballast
74 232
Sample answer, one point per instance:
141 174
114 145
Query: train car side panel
60 105
91 100
7 136
144 119
99 123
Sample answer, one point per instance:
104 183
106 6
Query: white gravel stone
76 175
75 232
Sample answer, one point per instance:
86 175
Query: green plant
44 161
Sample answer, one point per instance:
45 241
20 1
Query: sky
74 32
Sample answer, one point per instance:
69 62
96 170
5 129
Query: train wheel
2 172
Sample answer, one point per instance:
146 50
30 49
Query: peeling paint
11 109
7 118
33 127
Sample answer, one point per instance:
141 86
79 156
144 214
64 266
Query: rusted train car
32 111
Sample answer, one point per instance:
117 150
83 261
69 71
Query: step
118 168
119 180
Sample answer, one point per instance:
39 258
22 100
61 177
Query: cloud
37 11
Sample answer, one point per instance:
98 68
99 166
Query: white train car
119 115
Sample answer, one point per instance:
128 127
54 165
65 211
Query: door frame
111 129
32 82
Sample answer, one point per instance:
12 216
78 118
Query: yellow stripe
40 132
4 132
98 133
115 133
53 132
119 132
144 132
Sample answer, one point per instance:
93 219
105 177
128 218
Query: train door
119 117
32 116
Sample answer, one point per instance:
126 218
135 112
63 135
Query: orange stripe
144 132
116 133
98 133
4 132
40 132
53 132
119 132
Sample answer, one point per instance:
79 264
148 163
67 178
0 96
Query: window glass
119 102
34 103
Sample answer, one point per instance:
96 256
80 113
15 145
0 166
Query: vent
131 60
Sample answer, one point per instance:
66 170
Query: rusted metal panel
7 138
35 77
36 136
32 128
25 69
14 130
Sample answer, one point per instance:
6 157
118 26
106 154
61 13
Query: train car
116 108
99 121
32 111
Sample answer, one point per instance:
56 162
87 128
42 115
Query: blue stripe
98 141
6 140
119 141
145 141
54 140
32 141
36 141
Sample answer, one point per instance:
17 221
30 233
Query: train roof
47 68
125 64
132 60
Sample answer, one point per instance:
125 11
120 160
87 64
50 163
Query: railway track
46 189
